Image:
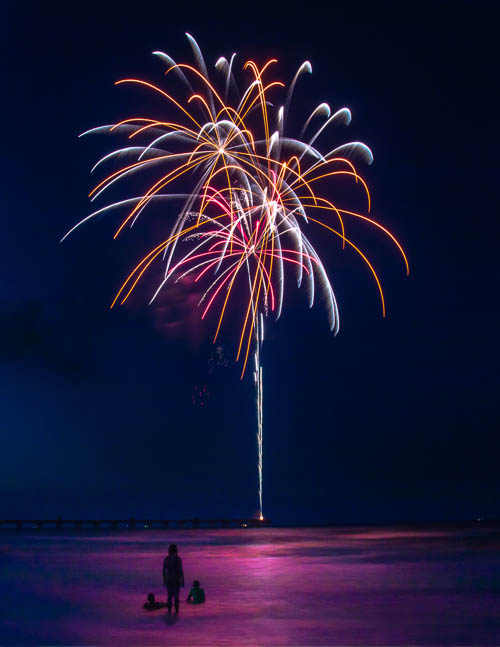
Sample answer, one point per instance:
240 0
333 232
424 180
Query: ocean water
278 586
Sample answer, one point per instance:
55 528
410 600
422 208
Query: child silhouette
197 594
152 604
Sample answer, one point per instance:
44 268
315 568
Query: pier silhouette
133 524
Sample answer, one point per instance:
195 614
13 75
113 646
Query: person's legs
170 591
176 598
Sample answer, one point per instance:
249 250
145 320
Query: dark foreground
339 586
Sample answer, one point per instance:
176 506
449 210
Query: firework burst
252 191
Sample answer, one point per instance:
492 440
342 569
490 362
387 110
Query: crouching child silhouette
152 604
197 594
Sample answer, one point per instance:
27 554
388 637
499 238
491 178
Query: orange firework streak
244 215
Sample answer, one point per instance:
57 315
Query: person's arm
189 596
164 571
182 572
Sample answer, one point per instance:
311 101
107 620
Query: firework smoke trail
259 339
253 192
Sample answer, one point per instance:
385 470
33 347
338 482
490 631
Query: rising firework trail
252 192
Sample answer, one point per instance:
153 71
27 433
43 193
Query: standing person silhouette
173 577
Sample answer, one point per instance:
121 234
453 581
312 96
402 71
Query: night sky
394 419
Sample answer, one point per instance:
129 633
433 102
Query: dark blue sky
393 419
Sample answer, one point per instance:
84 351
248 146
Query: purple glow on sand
342 586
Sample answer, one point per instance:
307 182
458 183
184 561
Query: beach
404 585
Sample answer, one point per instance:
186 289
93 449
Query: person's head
196 584
151 598
172 549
